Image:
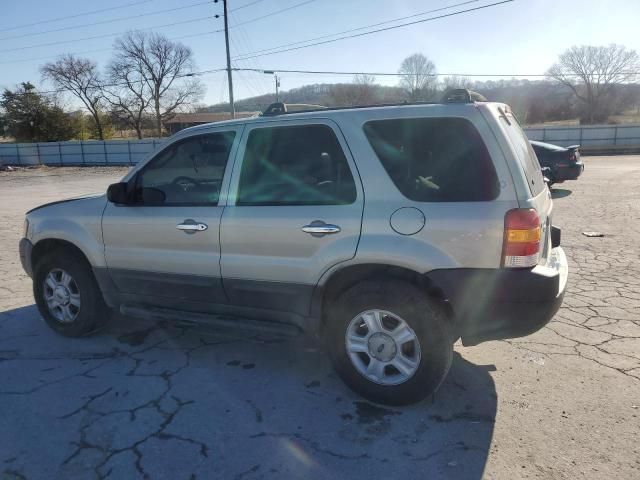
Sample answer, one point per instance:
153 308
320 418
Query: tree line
590 83
147 81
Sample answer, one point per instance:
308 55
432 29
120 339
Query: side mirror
117 193
153 196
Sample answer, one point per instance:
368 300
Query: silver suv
391 231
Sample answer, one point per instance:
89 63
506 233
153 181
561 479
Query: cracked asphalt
160 400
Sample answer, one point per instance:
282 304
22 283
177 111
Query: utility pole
229 77
277 79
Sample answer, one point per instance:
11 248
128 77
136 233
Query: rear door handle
191 226
320 228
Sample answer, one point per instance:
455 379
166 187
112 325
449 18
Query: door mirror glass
117 193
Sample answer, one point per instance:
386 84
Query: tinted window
188 172
525 154
300 165
435 159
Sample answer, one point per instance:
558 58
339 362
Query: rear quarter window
435 159
525 153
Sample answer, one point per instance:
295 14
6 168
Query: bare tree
456 81
127 93
164 67
80 77
593 73
361 92
365 89
418 76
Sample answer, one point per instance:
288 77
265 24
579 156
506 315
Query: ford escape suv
391 231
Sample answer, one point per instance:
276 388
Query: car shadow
182 399
560 192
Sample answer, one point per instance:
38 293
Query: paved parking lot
179 401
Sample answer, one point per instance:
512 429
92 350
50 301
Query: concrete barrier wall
130 152
588 136
90 152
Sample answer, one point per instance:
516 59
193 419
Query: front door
164 248
295 209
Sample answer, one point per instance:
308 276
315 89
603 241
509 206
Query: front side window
297 165
435 159
188 172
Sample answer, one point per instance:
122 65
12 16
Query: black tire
552 180
424 315
92 314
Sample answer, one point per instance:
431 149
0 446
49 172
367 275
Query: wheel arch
343 278
47 245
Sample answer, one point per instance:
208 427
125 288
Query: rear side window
435 159
298 165
525 153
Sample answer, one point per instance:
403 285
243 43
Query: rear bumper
26 248
569 172
494 304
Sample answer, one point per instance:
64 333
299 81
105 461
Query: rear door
295 210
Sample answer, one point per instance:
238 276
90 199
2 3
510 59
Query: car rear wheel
389 342
67 294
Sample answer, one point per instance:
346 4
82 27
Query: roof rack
459 95
462 95
278 108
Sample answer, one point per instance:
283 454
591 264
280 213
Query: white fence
588 136
91 152
130 152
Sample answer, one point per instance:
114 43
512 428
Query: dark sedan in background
558 163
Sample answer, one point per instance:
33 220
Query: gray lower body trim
167 285
270 301
281 296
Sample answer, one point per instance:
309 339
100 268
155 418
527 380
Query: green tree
32 117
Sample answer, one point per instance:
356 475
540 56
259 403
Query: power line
365 27
397 74
446 15
102 22
277 12
51 20
245 6
48 57
24 60
199 19
322 72
124 84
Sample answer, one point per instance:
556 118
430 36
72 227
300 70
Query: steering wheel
186 183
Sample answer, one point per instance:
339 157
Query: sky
522 37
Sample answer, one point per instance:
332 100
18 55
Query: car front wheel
67 294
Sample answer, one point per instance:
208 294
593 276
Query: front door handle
318 228
191 226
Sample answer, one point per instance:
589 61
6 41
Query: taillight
521 245
572 157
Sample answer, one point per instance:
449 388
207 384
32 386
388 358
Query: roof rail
462 95
452 96
279 108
